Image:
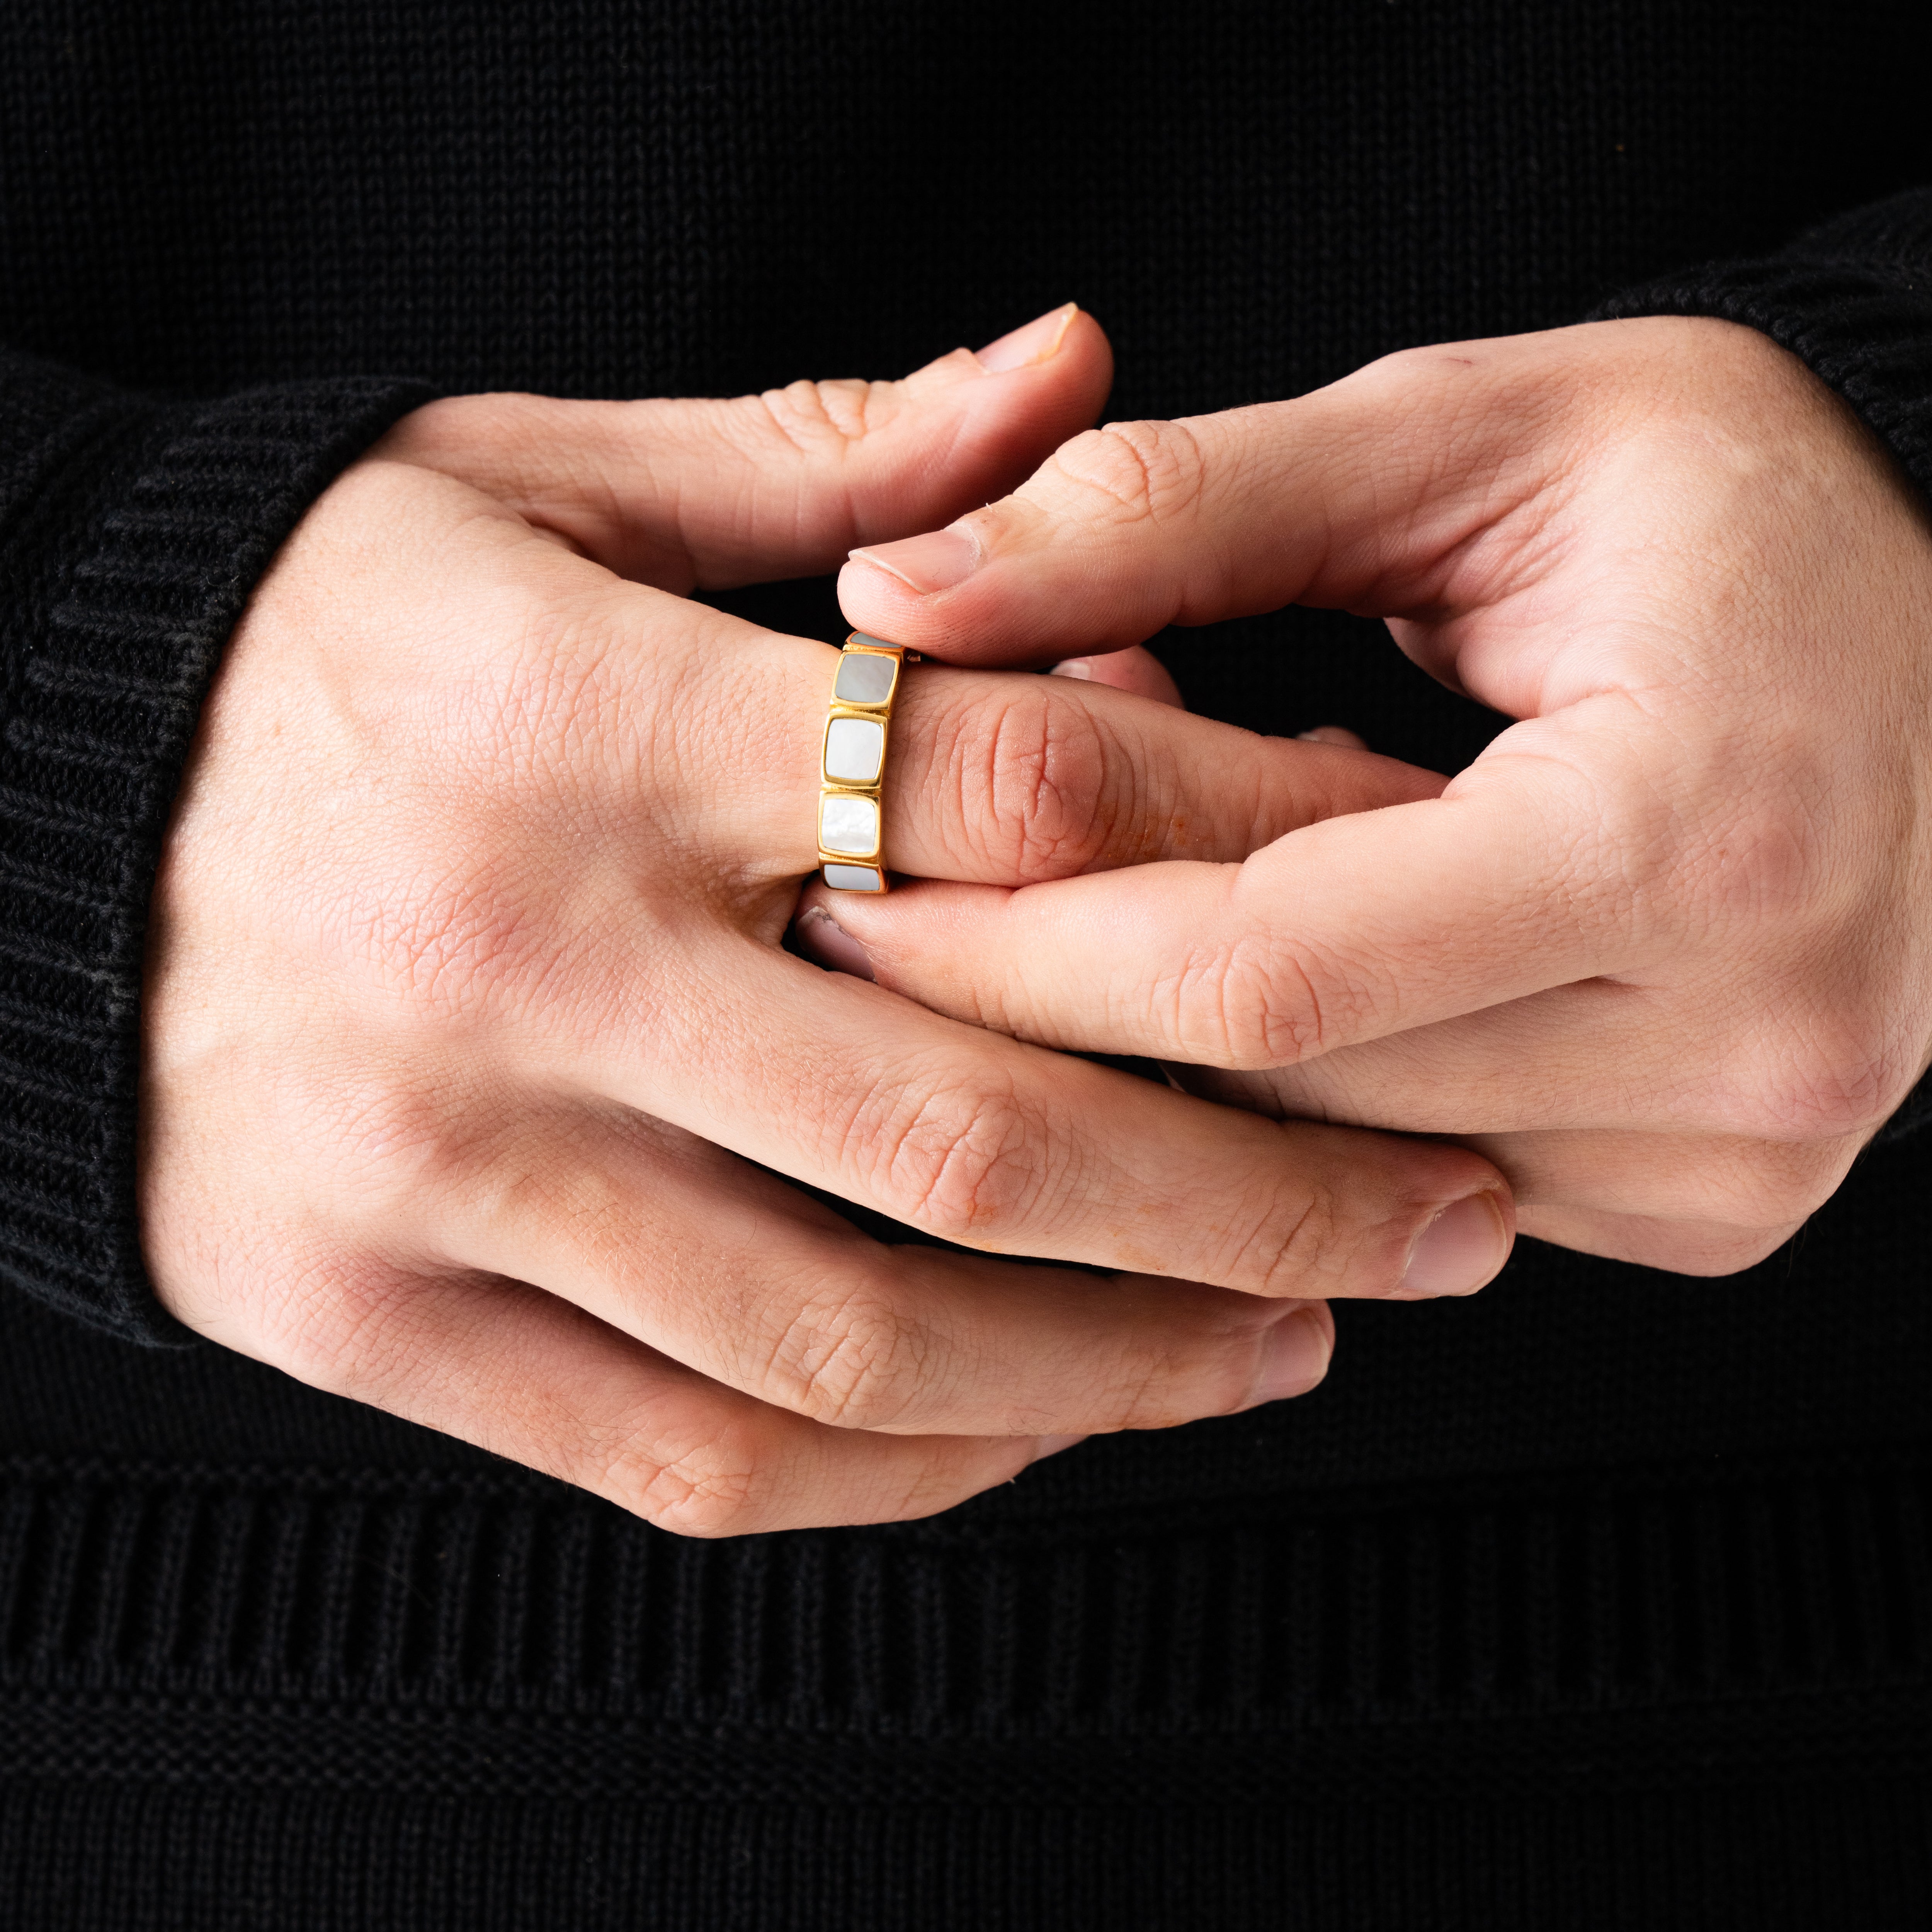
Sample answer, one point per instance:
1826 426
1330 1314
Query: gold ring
852 764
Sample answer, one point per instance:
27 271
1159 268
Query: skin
468 1013
1664 951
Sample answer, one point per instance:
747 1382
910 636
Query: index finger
1356 495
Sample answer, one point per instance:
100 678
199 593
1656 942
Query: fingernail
1073 668
935 561
1296 1357
1039 341
1051 1445
831 945
1460 1250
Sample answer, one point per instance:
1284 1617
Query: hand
1664 951
467 1009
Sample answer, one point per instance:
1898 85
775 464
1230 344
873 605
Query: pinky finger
1675 1247
528 1377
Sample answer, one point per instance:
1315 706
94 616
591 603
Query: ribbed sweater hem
1671 1697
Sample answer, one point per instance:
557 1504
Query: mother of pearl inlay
848 824
855 749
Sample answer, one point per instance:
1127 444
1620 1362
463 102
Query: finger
1676 1247
526 1376
695 492
1744 1182
1010 779
997 777
999 1148
1137 670
1692 1202
1359 495
756 1285
1752 1190
1606 1055
1601 1054
1342 931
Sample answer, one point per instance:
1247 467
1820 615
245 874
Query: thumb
692 492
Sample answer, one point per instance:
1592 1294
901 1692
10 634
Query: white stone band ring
852 765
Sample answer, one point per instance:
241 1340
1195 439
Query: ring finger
1003 778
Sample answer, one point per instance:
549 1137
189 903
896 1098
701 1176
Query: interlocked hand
1664 951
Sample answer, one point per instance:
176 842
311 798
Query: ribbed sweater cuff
1853 303
132 533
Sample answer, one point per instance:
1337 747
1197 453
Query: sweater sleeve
133 530
1853 300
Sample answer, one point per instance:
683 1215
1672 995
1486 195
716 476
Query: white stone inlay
863 679
854 879
855 749
848 825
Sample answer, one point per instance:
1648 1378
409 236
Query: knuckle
462 905
331 1323
851 1357
1292 1241
816 419
697 1500
398 1152
1250 1004
960 1163
1030 772
1820 1081
708 1488
1144 471
1621 847
1757 864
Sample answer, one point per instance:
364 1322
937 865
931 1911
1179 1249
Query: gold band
852 764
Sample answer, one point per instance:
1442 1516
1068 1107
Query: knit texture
1599 1601
1836 1856
478 1634
131 534
1663 1699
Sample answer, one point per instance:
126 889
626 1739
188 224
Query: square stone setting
864 679
855 751
855 878
848 824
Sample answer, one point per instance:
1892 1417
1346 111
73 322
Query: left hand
1664 951
465 1012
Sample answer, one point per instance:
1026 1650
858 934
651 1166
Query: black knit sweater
1603 1600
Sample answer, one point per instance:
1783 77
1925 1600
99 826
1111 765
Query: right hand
467 1010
